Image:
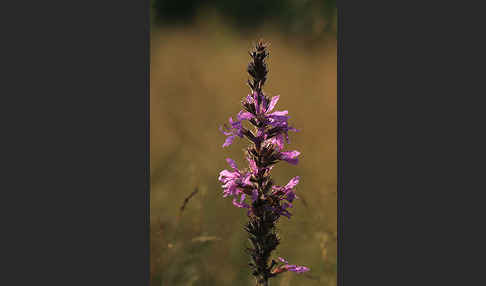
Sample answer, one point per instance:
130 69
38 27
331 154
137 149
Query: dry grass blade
186 200
205 238
183 207
175 244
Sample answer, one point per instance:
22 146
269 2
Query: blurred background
199 55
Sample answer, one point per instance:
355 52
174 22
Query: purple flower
282 210
267 202
286 193
290 156
282 132
264 107
244 115
298 269
277 140
241 203
288 190
233 182
278 120
235 129
287 267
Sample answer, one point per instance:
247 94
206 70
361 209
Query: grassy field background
198 77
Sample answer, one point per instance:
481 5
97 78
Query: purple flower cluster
271 129
253 188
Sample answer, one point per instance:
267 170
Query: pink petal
278 141
273 102
293 182
224 132
232 163
246 179
283 260
290 156
227 174
279 113
243 115
229 140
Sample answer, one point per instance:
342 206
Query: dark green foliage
175 11
290 15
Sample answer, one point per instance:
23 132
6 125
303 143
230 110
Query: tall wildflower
253 188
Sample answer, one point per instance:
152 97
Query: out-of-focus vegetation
309 17
198 76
